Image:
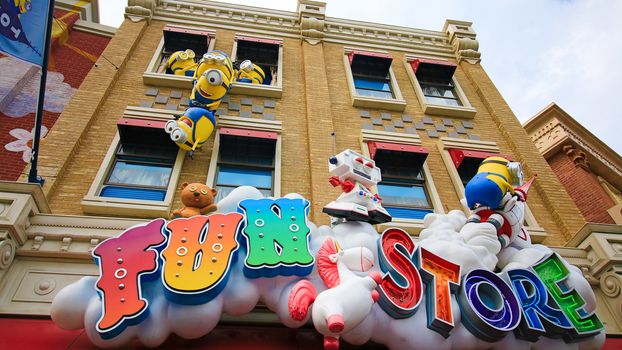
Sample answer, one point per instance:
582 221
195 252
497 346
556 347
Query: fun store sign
179 276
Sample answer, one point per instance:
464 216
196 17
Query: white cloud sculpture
79 305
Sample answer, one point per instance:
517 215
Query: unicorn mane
325 266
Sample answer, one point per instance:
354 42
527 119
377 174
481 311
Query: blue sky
535 51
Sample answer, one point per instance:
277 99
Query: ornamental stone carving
138 10
7 250
462 38
577 156
311 15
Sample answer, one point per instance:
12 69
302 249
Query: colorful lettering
442 277
401 288
277 237
488 306
553 274
539 316
198 256
122 262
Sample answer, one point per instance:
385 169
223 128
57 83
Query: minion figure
181 63
22 6
192 129
495 177
212 80
250 73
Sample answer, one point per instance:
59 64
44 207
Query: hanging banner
22 29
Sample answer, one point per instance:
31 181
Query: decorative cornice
309 24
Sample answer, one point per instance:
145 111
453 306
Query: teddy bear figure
197 198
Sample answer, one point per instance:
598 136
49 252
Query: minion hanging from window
495 177
212 80
250 73
181 63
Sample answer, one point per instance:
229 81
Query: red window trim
367 53
417 61
259 40
188 31
374 146
249 133
458 155
143 123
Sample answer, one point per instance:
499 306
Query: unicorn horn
523 189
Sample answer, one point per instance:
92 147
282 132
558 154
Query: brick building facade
590 171
317 90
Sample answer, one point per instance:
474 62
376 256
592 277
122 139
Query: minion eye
190 54
28 6
182 56
213 77
203 191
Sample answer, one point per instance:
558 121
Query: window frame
93 203
250 125
412 226
466 110
537 233
397 103
151 76
241 88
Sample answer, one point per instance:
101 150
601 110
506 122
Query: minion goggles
214 77
247 66
217 59
184 55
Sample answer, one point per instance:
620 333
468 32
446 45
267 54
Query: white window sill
450 111
412 226
125 207
240 88
537 234
167 80
380 103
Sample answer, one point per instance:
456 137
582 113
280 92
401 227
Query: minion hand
510 202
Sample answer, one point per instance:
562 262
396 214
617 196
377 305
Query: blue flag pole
32 176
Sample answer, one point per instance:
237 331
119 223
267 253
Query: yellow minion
212 80
495 177
192 129
251 73
181 63
23 5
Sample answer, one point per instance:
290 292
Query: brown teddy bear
198 199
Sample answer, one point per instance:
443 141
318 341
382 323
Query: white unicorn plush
349 297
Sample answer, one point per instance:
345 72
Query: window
371 80
370 72
437 88
245 157
176 38
467 162
403 190
262 52
462 159
139 173
436 81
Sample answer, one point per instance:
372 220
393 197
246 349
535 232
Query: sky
535 51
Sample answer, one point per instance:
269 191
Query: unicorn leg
335 323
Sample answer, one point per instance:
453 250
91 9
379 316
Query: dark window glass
140 171
402 188
265 55
245 161
437 84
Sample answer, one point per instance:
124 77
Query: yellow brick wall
315 101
